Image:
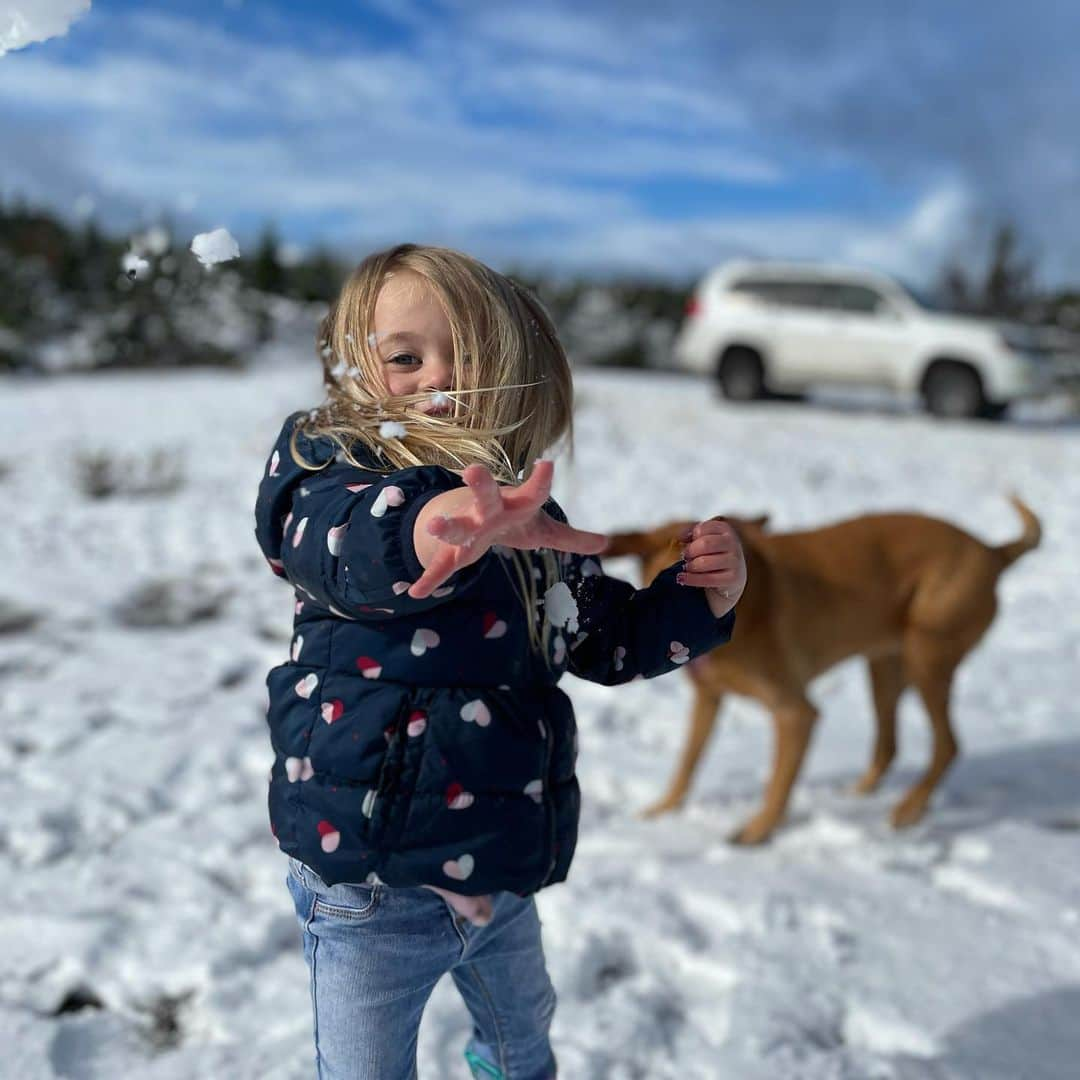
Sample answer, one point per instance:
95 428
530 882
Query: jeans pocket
354 902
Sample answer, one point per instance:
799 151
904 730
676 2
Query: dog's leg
930 663
793 724
887 683
702 720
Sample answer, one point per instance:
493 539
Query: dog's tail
1027 540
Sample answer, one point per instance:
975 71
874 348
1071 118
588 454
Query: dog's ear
628 543
741 524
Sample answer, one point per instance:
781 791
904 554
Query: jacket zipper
549 802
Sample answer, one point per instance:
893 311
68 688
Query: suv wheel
742 377
954 391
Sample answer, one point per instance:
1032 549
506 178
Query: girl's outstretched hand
713 560
457 527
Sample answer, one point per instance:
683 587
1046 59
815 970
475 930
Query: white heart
496 630
330 841
458 869
423 640
368 806
293 768
335 538
299 606
417 726
287 522
620 655
461 801
442 590
298 644
306 686
476 712
389 496
299 534
400 586
275 460
535 790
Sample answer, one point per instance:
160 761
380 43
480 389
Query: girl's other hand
713 560
457 527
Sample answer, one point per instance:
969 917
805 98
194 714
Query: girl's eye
404 360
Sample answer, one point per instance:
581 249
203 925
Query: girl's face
413 340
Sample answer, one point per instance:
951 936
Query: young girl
423 785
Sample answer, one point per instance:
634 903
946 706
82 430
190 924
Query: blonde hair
512 393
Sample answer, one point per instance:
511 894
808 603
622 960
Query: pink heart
559 646
423 640
442 590
306 686
389 496
400 586
620 656
370 669
299 534
275 461
332 710
417 723
287 522
494 627
277 566
330 836
335 537
298 644
367 808
476 712
678 653
357 487
458 869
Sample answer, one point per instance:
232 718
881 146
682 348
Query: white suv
763 327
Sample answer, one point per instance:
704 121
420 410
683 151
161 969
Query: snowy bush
101 473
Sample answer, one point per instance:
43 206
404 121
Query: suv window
804 294
838 296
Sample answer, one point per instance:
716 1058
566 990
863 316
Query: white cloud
23 22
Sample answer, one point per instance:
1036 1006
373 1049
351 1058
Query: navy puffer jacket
425 741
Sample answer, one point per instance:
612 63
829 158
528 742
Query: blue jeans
375 953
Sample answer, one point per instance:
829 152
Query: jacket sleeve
626 632
344 536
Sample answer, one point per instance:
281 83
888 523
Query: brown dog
913 594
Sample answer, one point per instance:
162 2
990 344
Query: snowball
155 240
439 398
22 22
339 369
372 338
134 265
561 607
391 429
214 247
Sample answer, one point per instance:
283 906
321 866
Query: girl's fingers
485 490
562 537
707 563
453 530
535 491
437 571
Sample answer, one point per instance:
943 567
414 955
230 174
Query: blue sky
578 137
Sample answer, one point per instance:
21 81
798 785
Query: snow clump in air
561 607
215 247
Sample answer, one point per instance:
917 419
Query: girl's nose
440 375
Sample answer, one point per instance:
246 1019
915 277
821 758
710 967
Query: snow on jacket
426 741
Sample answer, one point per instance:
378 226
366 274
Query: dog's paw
908 810
756 831
664 806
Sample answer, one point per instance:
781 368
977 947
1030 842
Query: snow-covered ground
143 878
